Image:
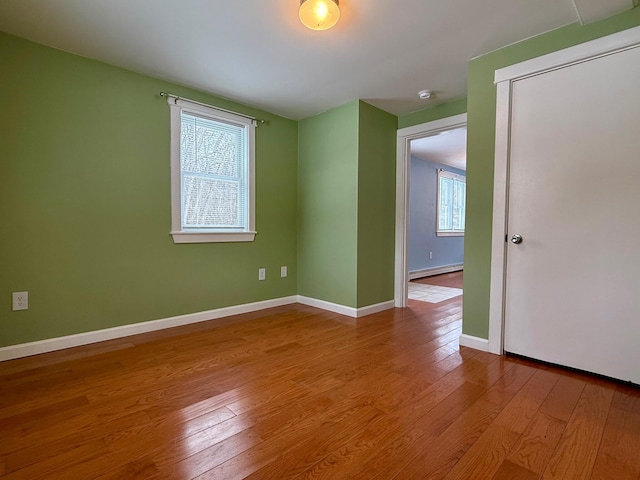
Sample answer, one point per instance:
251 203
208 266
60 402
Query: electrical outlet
262 273
430 255
20 301
283 271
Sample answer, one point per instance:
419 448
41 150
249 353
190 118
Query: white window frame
180 235
453 232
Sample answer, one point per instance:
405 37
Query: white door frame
504 79
403 162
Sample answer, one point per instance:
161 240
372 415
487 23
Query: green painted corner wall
376 204
346 205
443 110
328 205
481 118
85 202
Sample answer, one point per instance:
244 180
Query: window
212 174
451 204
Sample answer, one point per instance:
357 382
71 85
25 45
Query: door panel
573 284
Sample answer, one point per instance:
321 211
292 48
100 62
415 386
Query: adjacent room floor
297 392
436 288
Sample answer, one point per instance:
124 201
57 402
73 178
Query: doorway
428 250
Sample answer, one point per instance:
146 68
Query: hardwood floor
295 392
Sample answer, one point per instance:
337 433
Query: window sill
212 237
449 234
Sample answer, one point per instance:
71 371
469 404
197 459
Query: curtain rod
257 121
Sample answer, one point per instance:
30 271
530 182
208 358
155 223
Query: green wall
376 204
328 205
85 199
346 200
85 202
481 118
443 110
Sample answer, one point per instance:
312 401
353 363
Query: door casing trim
403 152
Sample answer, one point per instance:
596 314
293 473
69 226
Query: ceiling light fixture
319 14
425 94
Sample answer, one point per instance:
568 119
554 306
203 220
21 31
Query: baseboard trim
329 306
52 344
343 309
428 272
375 308
476 343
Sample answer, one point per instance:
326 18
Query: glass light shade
319 14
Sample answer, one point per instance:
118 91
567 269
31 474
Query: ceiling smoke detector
425 94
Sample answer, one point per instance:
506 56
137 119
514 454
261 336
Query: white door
572 293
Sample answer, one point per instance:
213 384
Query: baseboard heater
429 272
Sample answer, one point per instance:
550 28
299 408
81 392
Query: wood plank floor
295 392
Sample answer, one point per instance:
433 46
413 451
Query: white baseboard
329 306
59 343
344 310
428 272
375 308
476 343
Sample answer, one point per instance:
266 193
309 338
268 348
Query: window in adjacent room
451 204
212 174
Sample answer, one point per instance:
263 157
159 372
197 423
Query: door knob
516 239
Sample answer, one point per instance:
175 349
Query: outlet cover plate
20 301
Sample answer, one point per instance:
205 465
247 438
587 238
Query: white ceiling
257 52
446 148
